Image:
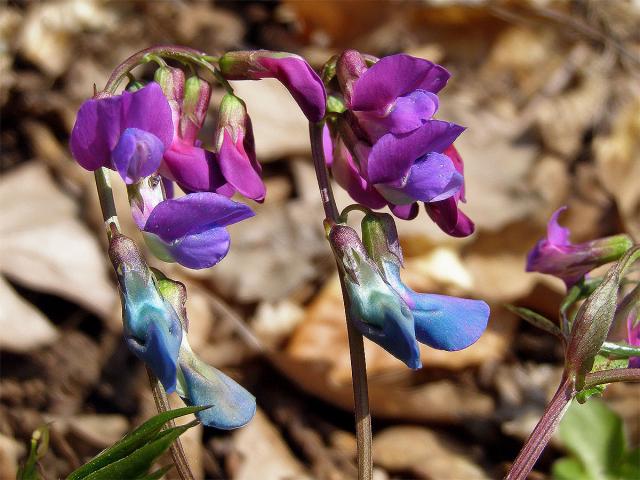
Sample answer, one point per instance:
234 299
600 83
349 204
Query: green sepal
536 320
144 434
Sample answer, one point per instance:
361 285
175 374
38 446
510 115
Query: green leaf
142 435
630 467
536 320
568 469
593 434
138 463
38 447
622 350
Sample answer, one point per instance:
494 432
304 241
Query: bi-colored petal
137 154
392 156
231 405
190 229
395 76
431 178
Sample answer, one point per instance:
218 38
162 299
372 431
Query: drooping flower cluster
388 312
384 146
153 130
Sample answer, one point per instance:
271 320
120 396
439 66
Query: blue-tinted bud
442 322
151 326
200 384
376 309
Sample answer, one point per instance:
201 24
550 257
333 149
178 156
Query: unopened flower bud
172 82
349 68
236 149
151 325
197 94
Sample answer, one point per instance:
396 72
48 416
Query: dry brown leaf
424 453
100 431
45 247
258 451
10 451
279 126
618 163
46 38
23 326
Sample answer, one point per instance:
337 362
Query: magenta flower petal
405 115
238 169
392 156
633 336
193 168
395 76
148 109
450 218
405 212
557 235
432 178
190 229
138 154
302 82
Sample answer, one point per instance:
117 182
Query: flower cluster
383 144
149 135
388 312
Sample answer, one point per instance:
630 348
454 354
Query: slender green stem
618 350
110 216
542 433
611 376
356 344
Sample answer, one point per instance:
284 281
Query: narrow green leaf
157 474
620 350
536 320
138 463
593 434
132 441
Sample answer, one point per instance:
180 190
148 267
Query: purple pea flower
396 154
236 149
291 70
128 133
556 255
190 230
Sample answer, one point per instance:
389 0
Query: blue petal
232 405
152 327
138 154
448 323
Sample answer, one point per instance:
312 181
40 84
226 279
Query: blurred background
549 93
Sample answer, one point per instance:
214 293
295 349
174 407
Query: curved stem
610 376
110 216
356 345
542 433
163 51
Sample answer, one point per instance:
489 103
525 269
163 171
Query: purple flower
127 133
556 255
190 229
394 152
291 70
236 149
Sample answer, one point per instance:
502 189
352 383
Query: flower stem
356 344
542 433
611 376
110 216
